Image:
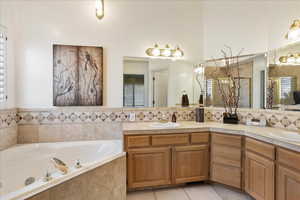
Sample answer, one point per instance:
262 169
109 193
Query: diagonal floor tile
230 194
141 195
201 192
171 194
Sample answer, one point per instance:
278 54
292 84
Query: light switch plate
132 117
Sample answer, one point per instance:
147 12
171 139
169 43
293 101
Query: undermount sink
164 125
287 135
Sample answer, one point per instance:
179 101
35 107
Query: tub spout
60 165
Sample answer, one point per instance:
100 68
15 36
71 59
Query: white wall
7 23
255 26
127 29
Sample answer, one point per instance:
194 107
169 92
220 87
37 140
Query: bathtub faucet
60 165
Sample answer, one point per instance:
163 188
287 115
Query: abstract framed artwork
77 75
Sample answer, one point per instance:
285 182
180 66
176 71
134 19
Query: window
286 87
3 65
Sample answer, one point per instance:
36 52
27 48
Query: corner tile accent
8 118
8 128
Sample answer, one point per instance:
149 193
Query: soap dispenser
174 118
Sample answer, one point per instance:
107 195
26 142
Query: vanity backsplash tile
274 118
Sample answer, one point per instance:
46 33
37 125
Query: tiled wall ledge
91 123
279 119
100 114
86 123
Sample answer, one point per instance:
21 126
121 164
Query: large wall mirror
151 82
283 91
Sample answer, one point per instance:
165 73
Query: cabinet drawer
230 140
197 138
261 148
288 158
137 141
226 175
174 139
226 155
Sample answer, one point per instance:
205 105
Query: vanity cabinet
259 169
165 159
226 159
288 175
190 163
149 167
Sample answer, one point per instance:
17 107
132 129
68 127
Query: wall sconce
99 9
166 52
294 31
292 59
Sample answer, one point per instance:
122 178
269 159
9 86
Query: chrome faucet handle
78 164
47 177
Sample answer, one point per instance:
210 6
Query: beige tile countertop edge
265 134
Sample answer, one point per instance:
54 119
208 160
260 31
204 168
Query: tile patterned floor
189 192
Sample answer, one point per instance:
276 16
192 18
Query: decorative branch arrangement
229 86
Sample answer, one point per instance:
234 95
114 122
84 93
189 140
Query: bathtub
33 160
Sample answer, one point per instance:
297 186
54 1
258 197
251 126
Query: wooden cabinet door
259 177
149 167
190 163
288 184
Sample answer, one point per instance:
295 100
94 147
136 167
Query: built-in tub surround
103 166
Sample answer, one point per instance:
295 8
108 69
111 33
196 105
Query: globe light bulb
166 52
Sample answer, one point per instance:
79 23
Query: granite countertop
274 136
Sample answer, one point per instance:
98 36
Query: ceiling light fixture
99 9
294 31
166 52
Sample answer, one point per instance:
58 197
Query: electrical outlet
131 117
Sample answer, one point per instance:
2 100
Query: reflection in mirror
252 75
283 90
152 82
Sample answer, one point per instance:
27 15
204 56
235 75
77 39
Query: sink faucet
60 165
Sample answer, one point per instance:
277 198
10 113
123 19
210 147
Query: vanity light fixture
99 9
166 52
294 31
291 59
177 52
